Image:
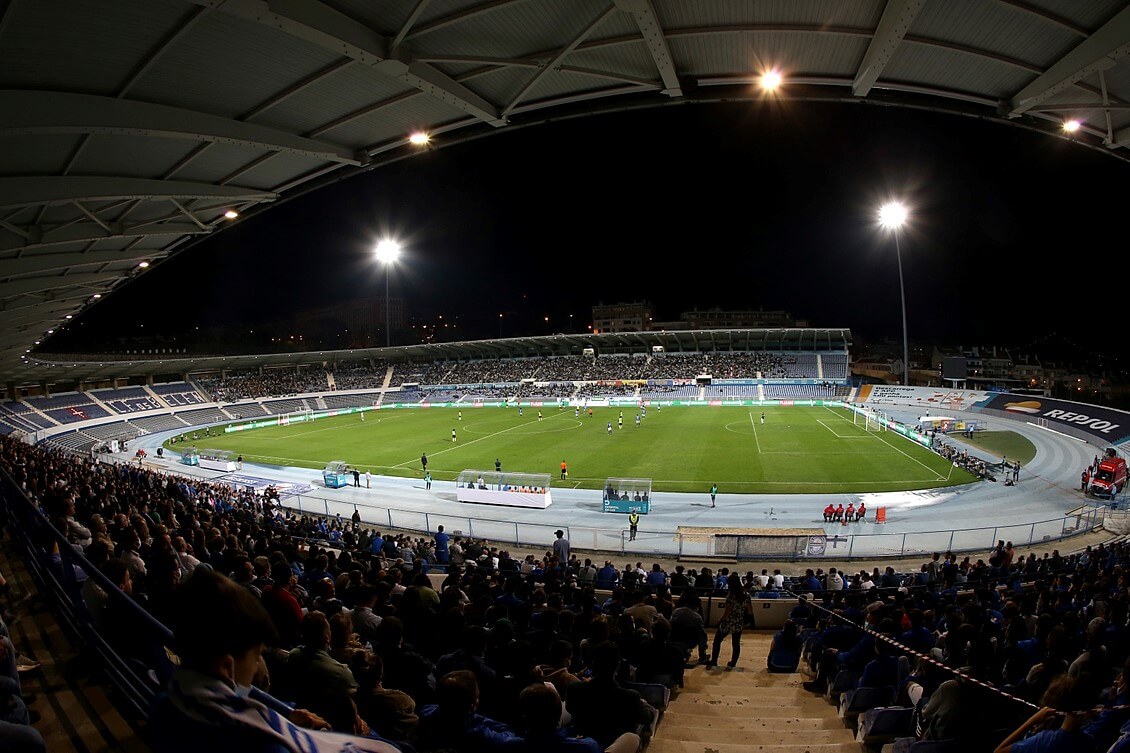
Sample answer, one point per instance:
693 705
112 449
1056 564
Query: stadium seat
939 746
657 694
881 725
855 702
845 680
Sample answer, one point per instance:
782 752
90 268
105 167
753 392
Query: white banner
922 396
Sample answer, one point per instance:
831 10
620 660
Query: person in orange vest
1086 478
860 512
564 469
839 512
829 511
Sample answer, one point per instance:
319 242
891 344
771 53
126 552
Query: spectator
207 706
454 722
556 669
392 713
784 651
1065 697
321 684
688 628
736 610
540 707
603 709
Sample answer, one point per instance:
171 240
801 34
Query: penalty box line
937 475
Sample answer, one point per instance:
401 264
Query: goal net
868 420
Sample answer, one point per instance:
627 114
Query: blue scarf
210 702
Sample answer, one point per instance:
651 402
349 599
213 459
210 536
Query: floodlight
893 214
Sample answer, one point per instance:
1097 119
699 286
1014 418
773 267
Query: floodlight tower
387 252
892 216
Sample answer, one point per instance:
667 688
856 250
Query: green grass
796 450
1006 444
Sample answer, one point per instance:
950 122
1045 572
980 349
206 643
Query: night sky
1012 236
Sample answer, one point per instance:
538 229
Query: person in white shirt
762 581
184 556
778 579
835 580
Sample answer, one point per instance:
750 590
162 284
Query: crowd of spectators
17 735
267 383
360 376
613 367
979 634
558 373
362 640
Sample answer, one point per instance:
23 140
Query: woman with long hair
735 610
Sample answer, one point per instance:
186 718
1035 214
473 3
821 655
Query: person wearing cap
561 546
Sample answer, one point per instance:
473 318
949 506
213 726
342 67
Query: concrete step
743 673
738 686
720 716
769 708
772 735
659 745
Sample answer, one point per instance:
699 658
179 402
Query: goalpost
868 420
305 413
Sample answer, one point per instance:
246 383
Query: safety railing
616 539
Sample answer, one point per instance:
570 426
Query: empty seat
855 702
881 725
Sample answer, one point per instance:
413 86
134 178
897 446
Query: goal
868 420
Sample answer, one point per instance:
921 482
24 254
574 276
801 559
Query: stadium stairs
747 708
73 700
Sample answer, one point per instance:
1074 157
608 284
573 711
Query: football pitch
681 449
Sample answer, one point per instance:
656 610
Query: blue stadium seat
855 702
939 746
881 725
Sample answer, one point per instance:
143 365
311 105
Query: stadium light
892 216
770 80
388 251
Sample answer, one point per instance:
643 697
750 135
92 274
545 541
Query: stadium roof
798 340
129 128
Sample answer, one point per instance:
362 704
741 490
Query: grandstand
126 399
19 417
178 394
687 718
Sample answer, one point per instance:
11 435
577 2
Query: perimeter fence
692 545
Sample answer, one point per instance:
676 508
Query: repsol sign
1108 424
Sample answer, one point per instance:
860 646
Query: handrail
858 545
58 567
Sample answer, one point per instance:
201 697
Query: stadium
698 448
